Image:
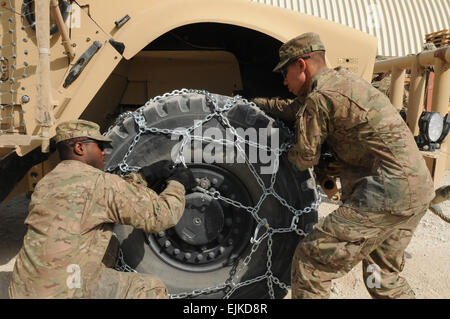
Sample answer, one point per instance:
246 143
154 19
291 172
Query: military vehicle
114 64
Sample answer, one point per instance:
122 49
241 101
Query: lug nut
199 257
187 255
167 243
162 234
221 249
176 251
211 254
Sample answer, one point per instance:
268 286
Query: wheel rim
211 234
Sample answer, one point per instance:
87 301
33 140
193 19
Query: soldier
67 249
386 186
382 82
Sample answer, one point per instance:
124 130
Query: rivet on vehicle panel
25 99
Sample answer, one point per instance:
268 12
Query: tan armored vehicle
113 63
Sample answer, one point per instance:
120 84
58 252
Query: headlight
445 130
431 125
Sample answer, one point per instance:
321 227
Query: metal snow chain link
262 223
122 265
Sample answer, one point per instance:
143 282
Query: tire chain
139 119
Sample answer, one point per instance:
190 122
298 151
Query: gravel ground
426 269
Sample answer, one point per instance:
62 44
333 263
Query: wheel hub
211 233
202 220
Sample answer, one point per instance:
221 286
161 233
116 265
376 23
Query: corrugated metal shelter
399 25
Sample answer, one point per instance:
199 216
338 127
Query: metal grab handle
82 61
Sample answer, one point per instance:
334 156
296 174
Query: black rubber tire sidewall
173 112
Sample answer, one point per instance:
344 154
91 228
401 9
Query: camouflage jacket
72 214
384 85
284 109
381 168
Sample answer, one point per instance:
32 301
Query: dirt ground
427 265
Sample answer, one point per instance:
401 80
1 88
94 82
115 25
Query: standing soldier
67 248
386 186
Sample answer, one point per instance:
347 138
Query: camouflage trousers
346 237
115 284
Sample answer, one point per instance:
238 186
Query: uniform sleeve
311 129
131 202
284 109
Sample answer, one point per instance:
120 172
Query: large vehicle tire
211 243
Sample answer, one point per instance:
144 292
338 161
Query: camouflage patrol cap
79 128
303 44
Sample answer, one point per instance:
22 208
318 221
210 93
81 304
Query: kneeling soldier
72 214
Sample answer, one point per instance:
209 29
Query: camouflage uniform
384 85
386 186
284 109
72 213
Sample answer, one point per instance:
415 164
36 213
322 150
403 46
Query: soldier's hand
185 177
157 171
